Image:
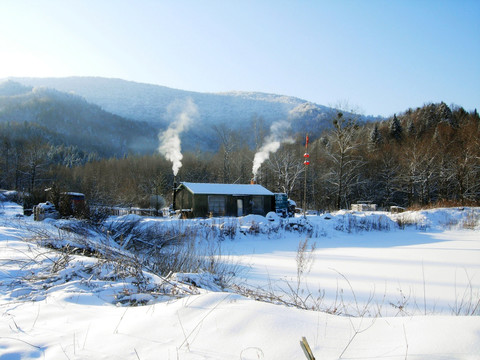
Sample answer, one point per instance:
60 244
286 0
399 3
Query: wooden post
306 349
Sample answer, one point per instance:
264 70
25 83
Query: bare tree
6 152
228 143
36 161
341 148
286 166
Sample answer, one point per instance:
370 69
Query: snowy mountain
68 119
149 103
13 88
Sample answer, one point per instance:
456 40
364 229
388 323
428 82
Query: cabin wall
183 199
251 205
199 204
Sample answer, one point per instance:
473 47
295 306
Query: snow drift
398 281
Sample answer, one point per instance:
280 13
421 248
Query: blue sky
376 57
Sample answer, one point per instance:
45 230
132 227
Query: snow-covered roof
46 205
226 189
75 194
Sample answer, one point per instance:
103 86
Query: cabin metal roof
226 189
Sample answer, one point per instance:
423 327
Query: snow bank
57 305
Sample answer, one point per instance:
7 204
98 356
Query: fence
120 211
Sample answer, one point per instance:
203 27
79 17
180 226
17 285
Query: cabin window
257 204
216 205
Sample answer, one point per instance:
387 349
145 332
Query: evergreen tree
375 138
411 131
396 131
445 114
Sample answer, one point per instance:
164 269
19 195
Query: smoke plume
181 114
278 135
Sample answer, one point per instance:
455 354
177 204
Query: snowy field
382 286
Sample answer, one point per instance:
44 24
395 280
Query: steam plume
278 135
181 114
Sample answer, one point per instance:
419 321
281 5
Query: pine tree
375 138
396 131
444 114
411 131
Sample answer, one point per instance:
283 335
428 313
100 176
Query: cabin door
239 207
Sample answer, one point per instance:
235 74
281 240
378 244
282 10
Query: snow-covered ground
386 291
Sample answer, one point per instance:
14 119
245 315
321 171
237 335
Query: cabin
205 200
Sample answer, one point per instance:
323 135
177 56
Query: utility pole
306 162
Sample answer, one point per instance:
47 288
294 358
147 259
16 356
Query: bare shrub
124 230
402 303
97 215
472 220
61 260
254 228
406 219
352 223
228 230
295 293
304 260
189 256
468 302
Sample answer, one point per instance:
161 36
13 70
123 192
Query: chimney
253 182
174 193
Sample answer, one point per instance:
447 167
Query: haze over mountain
151 104
68 119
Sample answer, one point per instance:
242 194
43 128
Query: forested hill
422 156
150 102
147 102
67 119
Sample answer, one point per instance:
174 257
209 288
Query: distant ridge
147 102
68 119
150 103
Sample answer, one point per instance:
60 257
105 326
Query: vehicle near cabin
284 206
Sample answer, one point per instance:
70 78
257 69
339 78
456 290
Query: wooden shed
203 199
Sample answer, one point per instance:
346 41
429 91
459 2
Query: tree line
430 155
